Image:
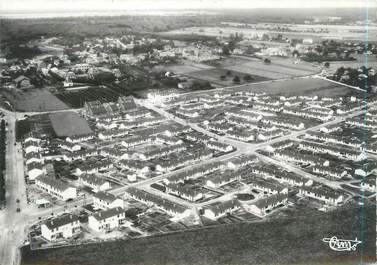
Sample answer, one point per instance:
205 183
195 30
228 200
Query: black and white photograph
188 132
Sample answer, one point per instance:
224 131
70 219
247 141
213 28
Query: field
69 124
213 76
278 69
182 68
296 240
301 86
36 100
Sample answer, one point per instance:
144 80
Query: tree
228 73
295 53
267 61
222 77
225 50
327 64
248 78
236 79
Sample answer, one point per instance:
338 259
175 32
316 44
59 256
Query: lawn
69 124
214 76
294 240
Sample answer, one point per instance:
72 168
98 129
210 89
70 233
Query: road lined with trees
2 163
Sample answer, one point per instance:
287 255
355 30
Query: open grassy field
278 69
183 68
300 86
36 100
69 124
296 240
272 71
213 76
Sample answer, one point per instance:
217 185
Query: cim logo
341 244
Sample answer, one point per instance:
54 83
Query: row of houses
292 156
199 171
335 139
285 177
307 113
331 150
56 188
322 193
176 210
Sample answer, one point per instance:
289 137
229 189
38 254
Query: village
256 158
131 136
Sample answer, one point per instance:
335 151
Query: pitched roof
105 196
61 220
58 184
270 200
105 214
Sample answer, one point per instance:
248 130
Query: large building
56 188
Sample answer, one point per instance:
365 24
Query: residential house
107 219
56 188
62 227
105 200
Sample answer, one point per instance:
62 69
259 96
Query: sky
145 5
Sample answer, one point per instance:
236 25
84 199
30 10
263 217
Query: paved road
12 224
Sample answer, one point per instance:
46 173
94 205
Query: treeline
362 77
2 163
20 51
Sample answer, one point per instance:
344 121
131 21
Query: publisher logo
341 244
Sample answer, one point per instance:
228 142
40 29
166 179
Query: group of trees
362 77
236 79
20 51
2 163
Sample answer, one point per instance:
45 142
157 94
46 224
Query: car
18 210
18 200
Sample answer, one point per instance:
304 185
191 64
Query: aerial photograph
195 132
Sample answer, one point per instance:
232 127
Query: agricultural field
182 68
38 123
77 99
36 100
287 240
224 77
68 124
272 71
301 86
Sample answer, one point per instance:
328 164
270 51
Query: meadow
296 240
